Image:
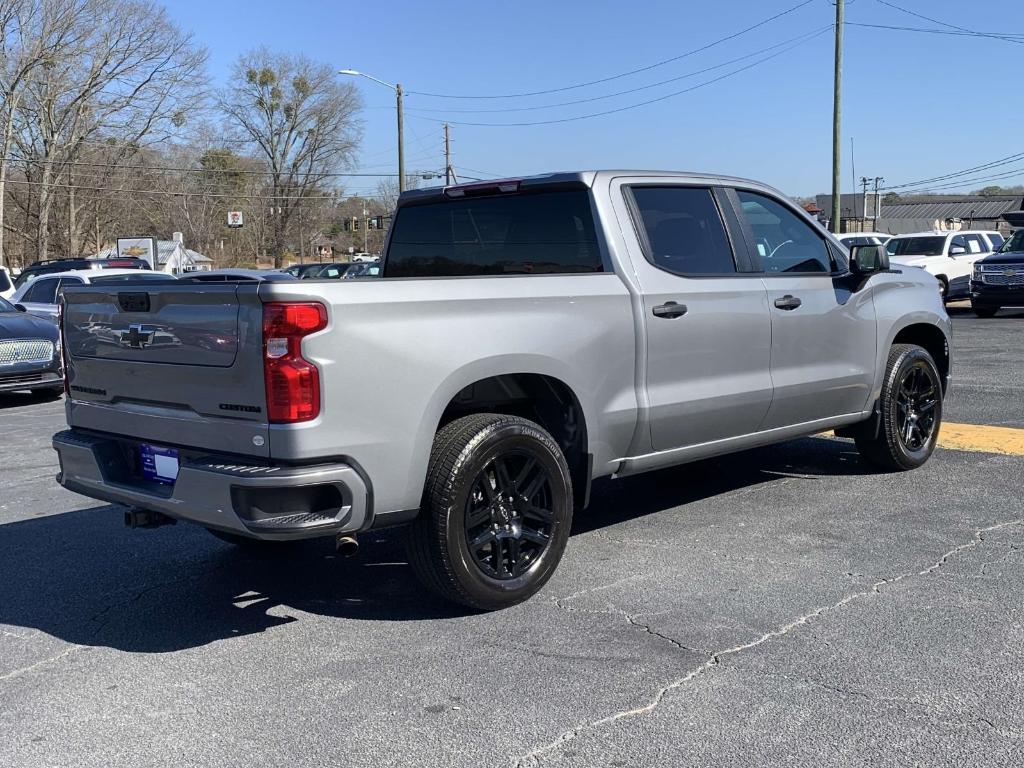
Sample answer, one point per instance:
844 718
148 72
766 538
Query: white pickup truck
526 336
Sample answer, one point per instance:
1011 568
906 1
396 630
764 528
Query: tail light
293 383
62 345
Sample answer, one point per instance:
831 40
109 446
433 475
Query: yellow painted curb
1008 441
981 438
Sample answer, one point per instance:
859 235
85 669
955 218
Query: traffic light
355 224
348 225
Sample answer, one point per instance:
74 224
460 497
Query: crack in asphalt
532 758
631 618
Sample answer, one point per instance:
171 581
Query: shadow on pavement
963 309
20 399
82 577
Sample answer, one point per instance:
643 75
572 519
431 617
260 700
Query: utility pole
836 117
401 139
864 181
447 157
878 203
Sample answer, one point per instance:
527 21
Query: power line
116 166
1012 173
695 73
1000 35
953 32
965 172
638 70
182 193
638 104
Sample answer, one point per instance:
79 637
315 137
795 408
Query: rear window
540 233
997 240
916 246
142 277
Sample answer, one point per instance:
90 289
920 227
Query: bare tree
127 77
387 191
301 119
33 33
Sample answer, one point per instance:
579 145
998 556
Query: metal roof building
964 208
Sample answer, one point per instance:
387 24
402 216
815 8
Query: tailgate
177 364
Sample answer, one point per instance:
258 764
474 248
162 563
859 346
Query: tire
912 388
496 512
983 311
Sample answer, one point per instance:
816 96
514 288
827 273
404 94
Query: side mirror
868 259
20 307
957 250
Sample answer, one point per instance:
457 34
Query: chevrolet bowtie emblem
135 337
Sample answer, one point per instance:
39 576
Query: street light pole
397 88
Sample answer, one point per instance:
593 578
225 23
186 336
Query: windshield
6 306
916 246
1015 243
155 277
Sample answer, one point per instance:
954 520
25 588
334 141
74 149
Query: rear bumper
996 295
263 502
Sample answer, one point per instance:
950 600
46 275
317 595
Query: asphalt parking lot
785 606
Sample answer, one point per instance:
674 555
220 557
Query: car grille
25 351
1012 274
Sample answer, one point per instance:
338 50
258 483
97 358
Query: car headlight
977 272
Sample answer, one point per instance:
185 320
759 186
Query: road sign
140 248
234 219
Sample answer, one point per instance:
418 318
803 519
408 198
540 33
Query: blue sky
916 105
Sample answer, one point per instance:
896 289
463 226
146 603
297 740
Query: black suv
998 279
37 268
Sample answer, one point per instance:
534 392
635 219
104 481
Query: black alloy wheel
916 400
496 511
909 413
508 515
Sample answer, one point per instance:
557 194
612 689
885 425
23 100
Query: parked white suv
6 284
949 256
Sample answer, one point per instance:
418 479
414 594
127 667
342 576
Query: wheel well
542 399
930 338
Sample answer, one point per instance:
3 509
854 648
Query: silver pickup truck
526 337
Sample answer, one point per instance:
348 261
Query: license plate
159 464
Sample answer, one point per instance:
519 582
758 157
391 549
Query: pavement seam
533 757
41 663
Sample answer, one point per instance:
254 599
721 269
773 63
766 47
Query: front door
705 318
823 333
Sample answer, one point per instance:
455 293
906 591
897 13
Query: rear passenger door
704 316
823 335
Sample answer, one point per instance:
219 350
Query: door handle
788 302
669 310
